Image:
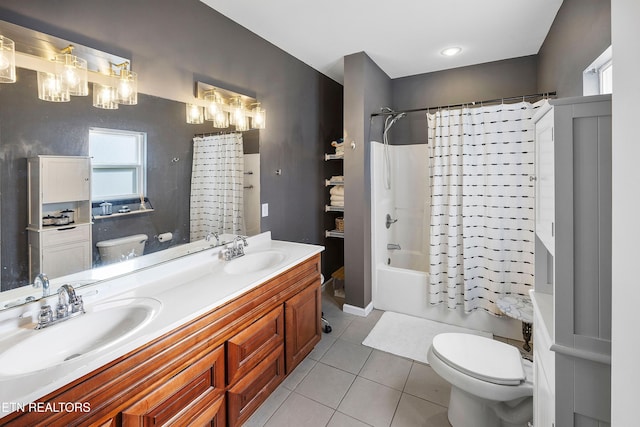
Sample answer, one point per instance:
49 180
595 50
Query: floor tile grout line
347 415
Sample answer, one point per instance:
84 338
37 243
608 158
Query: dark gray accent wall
173 44
499 79
580 32
367 89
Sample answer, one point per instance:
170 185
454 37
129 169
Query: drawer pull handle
66 228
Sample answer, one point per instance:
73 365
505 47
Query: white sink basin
254 262
102 326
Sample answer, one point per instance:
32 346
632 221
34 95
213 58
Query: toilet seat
481 358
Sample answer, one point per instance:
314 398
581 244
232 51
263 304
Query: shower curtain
217 178
482 205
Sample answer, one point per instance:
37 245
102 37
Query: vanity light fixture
451 51
195 114
7 60
73 71
225 108
259 117
126 85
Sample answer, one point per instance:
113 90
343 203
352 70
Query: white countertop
186 288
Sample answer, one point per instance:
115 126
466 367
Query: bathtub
400 278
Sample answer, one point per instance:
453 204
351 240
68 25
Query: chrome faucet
215 235
42 281
69 305
393 247
235 249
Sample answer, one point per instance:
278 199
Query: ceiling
404 37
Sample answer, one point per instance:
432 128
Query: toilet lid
479 357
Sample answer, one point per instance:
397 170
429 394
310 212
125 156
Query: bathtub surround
217 186
400 278
482 205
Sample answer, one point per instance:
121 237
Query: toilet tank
122 248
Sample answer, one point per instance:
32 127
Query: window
118 160
597 78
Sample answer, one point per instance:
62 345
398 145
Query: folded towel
337 203
337 144
337 190
337 199
337 178
339 150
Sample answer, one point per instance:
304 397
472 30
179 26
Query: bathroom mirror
31 127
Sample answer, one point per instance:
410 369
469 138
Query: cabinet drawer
64 235
246 349
208 410
188 395
245 397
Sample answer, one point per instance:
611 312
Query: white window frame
140 166
609 87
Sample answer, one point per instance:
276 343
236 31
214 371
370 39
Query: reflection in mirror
31 128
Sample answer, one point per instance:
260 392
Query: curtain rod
488 101
202 135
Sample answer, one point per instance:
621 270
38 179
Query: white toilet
121 249
491 385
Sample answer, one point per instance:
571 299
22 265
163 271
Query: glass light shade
52 88
7 60
221 119
214 109
105 97
127 88
237 111
195 114
259 117
242 123
74 72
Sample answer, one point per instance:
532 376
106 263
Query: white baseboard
358 311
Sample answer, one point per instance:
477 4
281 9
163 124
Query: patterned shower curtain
482 205
217 179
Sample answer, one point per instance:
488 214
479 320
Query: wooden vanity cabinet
214 370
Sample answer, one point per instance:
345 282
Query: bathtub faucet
393 247
389 221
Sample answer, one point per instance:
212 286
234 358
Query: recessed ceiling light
451 51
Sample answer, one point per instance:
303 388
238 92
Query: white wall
625 375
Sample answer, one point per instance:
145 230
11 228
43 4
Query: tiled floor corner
342 383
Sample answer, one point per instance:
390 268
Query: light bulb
4 61
124 89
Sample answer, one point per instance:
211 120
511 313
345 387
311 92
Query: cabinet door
302 324
543 398
545 194
60 260
65 179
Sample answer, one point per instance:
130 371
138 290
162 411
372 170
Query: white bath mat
409 336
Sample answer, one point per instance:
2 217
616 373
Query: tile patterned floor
342 383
